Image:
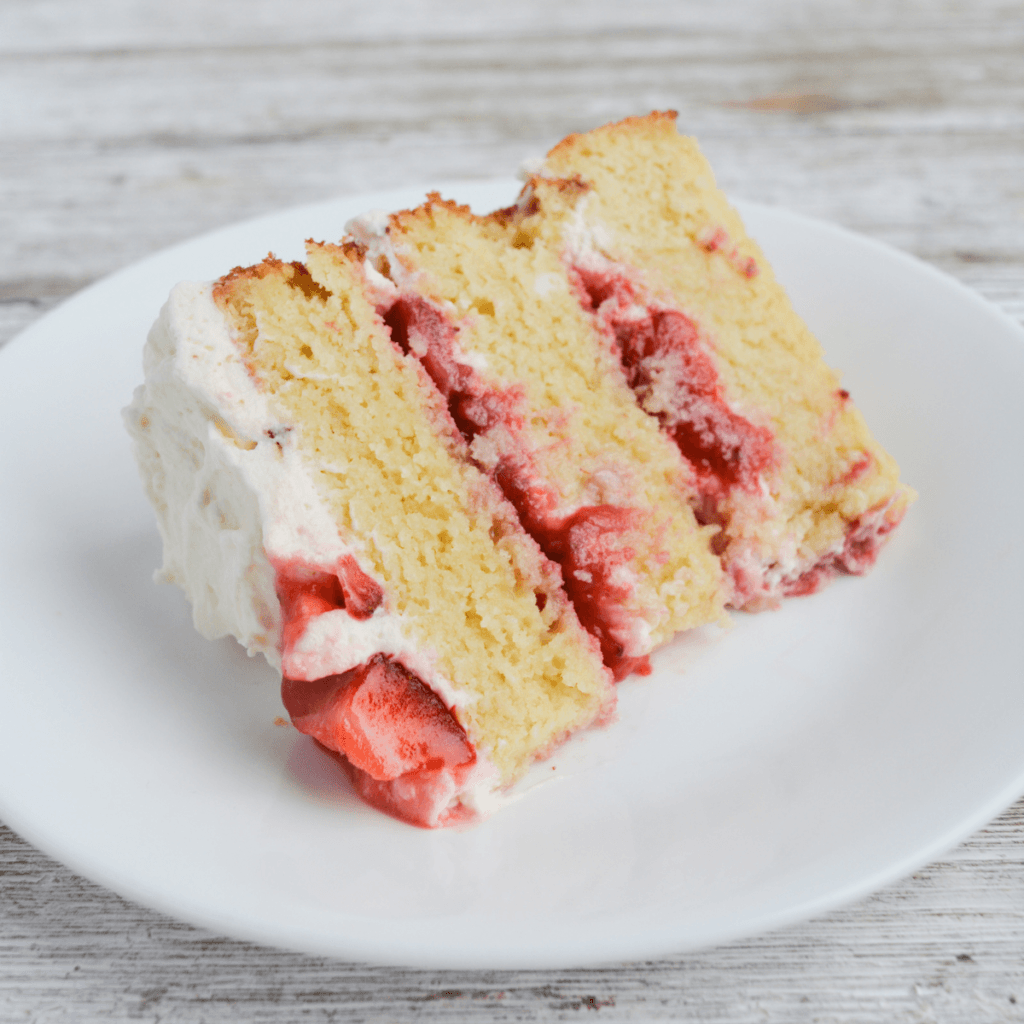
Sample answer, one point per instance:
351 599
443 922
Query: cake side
550 418
450 560
713 348
234 503
256 541
203 474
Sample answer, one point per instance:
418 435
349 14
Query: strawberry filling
864 539
668 367
306 591
402 747
384 719
588 543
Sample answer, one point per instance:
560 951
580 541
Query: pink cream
667 364
402 747
587 543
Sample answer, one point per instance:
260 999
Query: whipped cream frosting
234 495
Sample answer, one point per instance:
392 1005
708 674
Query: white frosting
330 641
229 484
587 240
371 224
233 494
530 166
371 230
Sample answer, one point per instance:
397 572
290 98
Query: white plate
806 758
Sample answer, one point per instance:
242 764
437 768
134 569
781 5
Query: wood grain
945 945
126 127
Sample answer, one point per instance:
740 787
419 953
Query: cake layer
662 266
317 502
549 416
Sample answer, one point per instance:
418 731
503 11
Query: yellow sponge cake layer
550 417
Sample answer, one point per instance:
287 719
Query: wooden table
125 127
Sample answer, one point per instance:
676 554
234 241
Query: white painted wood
126 126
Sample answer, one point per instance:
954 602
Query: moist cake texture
456 474
550 418
713 349
420 632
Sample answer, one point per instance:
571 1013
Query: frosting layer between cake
784 464
549 417
252 536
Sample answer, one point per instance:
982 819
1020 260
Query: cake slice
455 475
661 265
317 502
549 416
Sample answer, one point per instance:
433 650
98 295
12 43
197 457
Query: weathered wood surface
944 946
125 127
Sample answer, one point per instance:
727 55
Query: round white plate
758 777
